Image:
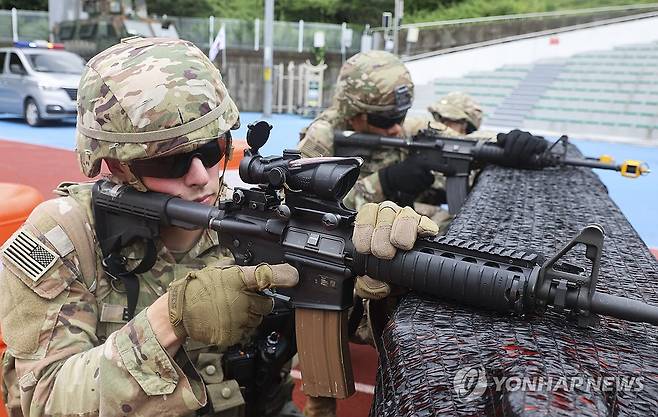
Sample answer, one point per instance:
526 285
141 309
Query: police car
39 80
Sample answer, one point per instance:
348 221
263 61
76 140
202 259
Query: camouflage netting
427 341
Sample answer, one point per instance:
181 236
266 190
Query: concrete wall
525 51
455 35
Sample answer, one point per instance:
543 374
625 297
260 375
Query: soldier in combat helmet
374 92
459 111
157 112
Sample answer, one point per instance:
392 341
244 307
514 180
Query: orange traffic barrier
3 410
18 201
239 146
232 176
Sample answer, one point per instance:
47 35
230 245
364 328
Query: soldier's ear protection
176 166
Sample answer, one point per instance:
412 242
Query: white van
39 81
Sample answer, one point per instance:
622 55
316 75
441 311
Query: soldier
460 115
458 111
373 93
157 112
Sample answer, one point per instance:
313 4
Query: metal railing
240 34
428 37
530 35
246 34
518 16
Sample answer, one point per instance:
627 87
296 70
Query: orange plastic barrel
16 203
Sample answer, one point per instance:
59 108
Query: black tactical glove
403 181
520 147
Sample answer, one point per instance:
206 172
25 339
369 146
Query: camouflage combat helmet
458 106
149 97
373 82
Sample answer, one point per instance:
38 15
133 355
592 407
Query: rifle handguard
464 280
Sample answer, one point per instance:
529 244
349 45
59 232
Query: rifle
455 157
295 215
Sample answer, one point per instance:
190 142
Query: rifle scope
327 178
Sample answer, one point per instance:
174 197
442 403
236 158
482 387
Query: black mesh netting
428 342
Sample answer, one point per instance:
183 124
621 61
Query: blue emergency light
38 44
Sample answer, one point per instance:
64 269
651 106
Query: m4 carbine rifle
455 157
295 215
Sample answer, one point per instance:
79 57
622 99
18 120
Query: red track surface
41 167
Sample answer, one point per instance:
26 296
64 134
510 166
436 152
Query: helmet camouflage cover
149 97
458 106
373 82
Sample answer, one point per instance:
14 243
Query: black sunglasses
176 166
385 122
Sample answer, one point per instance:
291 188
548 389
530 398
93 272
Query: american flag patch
30 255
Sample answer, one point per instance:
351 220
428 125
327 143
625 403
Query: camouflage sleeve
318 140
483 135
55 361
366 190
413 124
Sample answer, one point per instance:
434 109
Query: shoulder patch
29 255
60 241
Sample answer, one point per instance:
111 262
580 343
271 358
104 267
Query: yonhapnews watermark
472 382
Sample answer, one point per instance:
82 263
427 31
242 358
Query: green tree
334 11
239 9
191 8
24 4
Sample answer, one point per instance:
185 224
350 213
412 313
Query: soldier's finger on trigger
260 305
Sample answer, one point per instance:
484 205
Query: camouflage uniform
70 349
366 83
458 106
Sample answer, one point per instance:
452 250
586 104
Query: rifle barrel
591 164
624 308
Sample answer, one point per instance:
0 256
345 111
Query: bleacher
488 88
610 94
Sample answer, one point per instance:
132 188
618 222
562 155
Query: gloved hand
404 180
381 229
217 305
520 147
371 289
